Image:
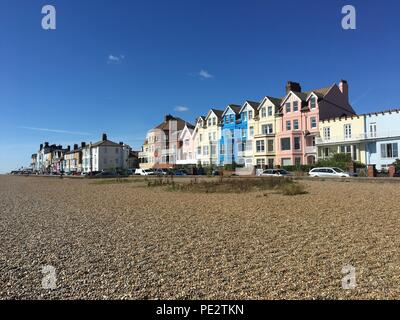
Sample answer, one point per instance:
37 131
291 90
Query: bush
293 189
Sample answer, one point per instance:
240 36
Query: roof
106 143
180 123
253 104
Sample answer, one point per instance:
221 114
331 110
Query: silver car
328 172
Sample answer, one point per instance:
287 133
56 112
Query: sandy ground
127 241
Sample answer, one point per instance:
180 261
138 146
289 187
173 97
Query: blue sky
119 66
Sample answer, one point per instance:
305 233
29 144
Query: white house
104 155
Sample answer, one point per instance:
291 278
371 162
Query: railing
358 137
311 149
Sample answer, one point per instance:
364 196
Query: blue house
233 134
382 138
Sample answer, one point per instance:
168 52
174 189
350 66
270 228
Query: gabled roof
252 104
165 124
217 112
275 101
304 96
187 127
106 143
234 107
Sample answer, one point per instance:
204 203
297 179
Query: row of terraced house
296 129
84 157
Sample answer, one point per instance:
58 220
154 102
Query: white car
275 173
328 173
144 172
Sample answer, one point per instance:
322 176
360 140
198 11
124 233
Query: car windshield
281 171
337 169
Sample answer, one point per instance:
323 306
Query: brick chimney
104 137
68 148
83 144
293 86
75 146
168 117
344 88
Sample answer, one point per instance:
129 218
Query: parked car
397 174
180 173
161 172
275 173
76 173
328 173
144 172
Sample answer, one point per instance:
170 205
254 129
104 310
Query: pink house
299 116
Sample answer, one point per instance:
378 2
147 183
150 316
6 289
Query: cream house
186 153
265 129
206 138
344 134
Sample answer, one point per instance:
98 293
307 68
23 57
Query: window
267 129
389 150
296 143
260 163
288 125
199 151
227 119
250 114
209 136
214 135
270 163
244 116
243 133
372 130
205 151
313 122
295 106
269 111
209 121
312 103
260 146
201 137
286 162
327 133
297 162
295 124
214 121
285 144
270 145
213 150
347 131
251 131
263 112
232 118
287 107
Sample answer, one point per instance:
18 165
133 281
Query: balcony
311 149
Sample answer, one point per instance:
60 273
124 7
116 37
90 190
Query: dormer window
263 112
250 114
313 103
269 111
287 107
209 121
295 106
214 121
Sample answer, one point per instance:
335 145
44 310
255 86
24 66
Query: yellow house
265 129
344 134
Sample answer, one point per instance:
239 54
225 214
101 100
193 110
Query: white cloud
181 109
57 131
112 59
204 74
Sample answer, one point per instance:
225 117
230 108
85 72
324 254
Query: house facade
300 114
248 120
162 143
382 138
206 137
342 135
73 159
103 155
232 135
186 152
266 128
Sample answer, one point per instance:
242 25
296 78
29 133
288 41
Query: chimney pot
104 137
293 86
344 88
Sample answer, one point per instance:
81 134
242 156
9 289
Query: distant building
161 145
104 155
